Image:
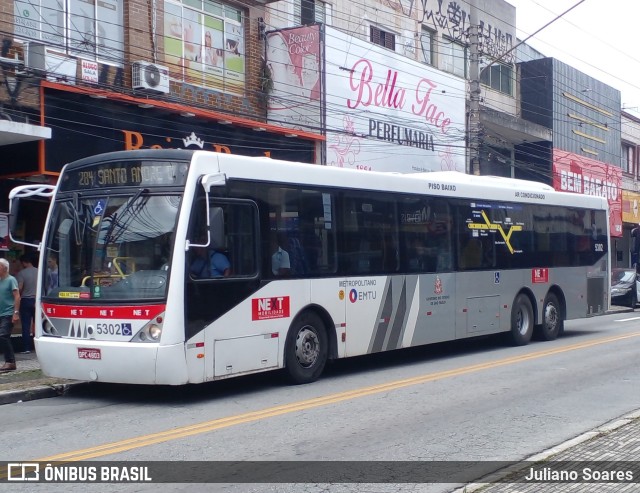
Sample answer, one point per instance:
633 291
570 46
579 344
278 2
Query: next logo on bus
539 275
268 308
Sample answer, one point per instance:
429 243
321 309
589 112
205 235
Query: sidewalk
612 446
28 382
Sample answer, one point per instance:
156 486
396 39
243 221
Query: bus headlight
151 332
154 332
48 328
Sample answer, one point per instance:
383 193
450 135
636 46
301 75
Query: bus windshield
110 247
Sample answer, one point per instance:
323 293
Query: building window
628 158
93 30
382 38
204 44
454 58
309 12
426 45
498 77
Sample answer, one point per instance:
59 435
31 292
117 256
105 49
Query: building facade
391 72
78 78
81 78
630 164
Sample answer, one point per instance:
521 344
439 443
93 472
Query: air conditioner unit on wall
150 77
56 66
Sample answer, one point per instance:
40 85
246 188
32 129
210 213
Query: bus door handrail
208 181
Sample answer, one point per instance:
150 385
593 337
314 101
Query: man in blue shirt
217 265
9 309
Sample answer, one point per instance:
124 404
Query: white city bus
321 263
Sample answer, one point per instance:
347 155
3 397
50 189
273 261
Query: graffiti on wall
452 19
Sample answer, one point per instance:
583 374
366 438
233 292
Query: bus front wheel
521 321
306 349
552 323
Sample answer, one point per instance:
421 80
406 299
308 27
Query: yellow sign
65 294
497 227
630 207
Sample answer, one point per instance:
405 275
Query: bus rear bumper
112 362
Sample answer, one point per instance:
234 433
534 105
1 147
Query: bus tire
521 321
306 349
552 323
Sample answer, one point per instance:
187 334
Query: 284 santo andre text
74 473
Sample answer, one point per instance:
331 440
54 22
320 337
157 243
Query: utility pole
474 93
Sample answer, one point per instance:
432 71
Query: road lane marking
220 423
627 319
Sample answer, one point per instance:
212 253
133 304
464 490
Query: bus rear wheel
306 349
521 321
552 323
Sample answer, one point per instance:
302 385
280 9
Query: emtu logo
353 296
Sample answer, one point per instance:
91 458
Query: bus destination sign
125 174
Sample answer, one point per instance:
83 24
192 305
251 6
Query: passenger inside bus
208 263
471 257
420 260
280 263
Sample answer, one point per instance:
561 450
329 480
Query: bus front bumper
113 362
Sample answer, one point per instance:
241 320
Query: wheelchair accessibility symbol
98 209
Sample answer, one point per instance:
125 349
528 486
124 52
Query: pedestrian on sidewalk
9 309
27 282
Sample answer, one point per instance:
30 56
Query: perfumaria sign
387 112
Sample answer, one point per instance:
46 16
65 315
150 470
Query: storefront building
132 75
583 155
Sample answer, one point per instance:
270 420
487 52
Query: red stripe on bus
144 312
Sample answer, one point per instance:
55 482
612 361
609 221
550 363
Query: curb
39 392
542 456
611 311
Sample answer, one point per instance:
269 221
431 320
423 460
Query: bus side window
471 255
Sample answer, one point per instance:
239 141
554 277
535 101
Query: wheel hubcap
551 317
307 347
523 321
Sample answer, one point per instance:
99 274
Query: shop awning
16 133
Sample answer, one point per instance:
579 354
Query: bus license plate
88 353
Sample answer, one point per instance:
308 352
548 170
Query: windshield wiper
121 217
133 199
